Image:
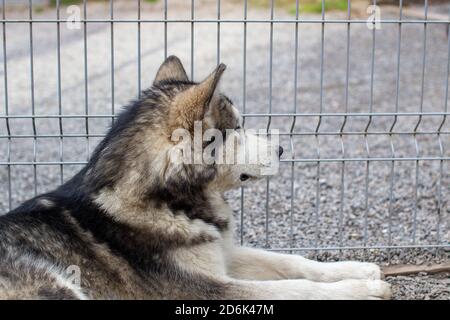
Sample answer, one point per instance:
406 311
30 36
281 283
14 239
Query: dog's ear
171 69
192 104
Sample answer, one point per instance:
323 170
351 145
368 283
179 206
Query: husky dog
134 224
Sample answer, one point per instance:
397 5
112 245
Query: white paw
368 271
365 289
378 289
353 270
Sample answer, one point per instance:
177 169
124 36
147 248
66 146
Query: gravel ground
322 212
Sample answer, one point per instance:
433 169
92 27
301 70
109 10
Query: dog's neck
130 203
141 230
127 207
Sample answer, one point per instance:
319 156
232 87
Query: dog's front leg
308 290
255 264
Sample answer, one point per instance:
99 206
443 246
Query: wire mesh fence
361 104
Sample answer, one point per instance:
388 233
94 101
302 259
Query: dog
138 223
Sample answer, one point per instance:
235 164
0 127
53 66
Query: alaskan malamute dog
135 223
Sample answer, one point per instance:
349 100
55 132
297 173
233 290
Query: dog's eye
244 177
238 128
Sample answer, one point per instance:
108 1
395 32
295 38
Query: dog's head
180 137
207 134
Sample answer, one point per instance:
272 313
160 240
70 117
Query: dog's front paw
369 271
364 289
379 290
351 270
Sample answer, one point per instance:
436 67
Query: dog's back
30 242
43 246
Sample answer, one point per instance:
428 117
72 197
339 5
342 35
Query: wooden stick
402 269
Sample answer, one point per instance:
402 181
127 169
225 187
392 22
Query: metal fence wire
361 107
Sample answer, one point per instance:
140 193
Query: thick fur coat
135 223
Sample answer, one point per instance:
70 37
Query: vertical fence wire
86 75
139 48
111 11
5 86
372 74
319 123
58 61
218 32
33 107
272 8
397 97
419 121
347 74
440 212
192 37
165 29
391 137
366 197
294 119
244 100
369 123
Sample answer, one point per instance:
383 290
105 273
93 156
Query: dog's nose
280 151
